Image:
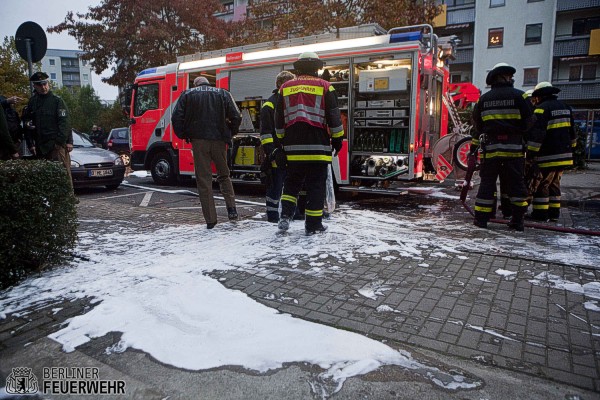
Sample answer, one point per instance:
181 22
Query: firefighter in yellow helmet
307 108
501 118
551 146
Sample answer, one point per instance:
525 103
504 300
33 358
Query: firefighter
274 164
307 108
500 119
551 146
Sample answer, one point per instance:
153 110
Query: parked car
92 166
118 142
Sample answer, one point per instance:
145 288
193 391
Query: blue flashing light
405 37
147 71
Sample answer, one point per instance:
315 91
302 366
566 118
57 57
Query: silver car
93 166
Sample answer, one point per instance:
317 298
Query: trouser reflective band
313 213
289 198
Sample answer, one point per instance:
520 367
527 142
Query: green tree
83 104
112 117
14 79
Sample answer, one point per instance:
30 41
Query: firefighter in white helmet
551 146
308 107
501 118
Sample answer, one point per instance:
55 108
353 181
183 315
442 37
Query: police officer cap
39 77
544 89
308 60
499 69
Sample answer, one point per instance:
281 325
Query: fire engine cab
389 84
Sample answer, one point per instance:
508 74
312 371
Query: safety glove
337 146
279 157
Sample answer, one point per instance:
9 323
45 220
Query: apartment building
66 68
545 40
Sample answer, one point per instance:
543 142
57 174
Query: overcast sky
49 13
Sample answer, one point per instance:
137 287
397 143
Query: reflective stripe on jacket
307 107
503 115
553 137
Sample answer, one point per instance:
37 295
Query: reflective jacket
553 137
307 107
503 116
267 123
206 112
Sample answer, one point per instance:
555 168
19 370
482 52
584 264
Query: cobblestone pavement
457 306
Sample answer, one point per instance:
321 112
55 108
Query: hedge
38 219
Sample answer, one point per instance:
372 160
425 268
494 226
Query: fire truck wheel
162 169
461 152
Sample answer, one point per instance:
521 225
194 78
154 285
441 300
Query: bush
38 220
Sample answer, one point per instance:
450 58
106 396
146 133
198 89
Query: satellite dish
32 32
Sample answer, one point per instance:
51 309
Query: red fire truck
389 84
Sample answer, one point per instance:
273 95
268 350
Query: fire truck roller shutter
253 82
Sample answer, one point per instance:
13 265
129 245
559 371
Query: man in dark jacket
8 149
501 118
551 144
47 122
306 111
272 149
208 117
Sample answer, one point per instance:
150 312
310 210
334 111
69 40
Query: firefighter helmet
499 69
309 62
543 89
528 93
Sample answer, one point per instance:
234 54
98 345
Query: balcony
69 68
461 16
463 56
579 90
569 5
571 46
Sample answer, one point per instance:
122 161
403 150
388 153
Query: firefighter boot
480 223
314 225
283 224
516 222
314 230
232 213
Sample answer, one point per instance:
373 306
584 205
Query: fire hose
472 165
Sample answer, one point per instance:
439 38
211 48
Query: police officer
307 107
551 144
47 123
272 149
500 119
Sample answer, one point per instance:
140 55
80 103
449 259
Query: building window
228 7
52 61
530 76
533 33
583 26
53 76
455 78
496 3
452 3
86 77
582 72
495 37
466 38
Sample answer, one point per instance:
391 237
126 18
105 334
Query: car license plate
101 172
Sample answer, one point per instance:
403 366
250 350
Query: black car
118 142
92 166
